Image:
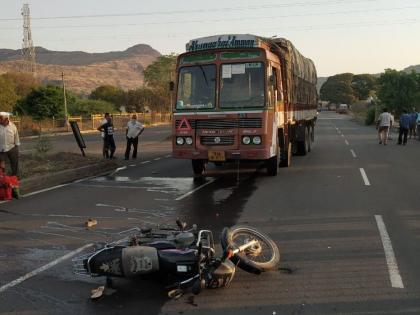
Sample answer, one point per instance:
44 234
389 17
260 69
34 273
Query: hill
416 68
86 71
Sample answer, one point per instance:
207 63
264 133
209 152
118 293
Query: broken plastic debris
90 222
97 293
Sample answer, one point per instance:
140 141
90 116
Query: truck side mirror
171 86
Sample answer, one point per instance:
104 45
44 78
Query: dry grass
42 164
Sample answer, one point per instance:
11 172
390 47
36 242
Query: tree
338 89
89 107
44 102
158 75
139 99
109 93
363 85
8 95
24 83
399 90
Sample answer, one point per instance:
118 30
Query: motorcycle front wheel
264 255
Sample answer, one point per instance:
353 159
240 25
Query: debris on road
97 293
90 222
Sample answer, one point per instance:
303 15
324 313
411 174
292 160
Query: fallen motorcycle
186 255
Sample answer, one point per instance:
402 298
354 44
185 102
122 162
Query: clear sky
359 36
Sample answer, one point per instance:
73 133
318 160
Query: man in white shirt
134 129
9 142
384 124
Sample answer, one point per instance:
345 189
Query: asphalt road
346 218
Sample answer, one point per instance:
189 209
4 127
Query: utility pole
28 50
66 115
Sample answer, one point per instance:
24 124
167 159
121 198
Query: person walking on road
383 124
413 121
9 142
404 127
133 131
108 135
418 125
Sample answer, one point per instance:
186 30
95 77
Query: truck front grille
217 140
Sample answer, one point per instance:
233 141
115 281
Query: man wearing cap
9 142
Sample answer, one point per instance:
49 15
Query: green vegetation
347 88
370 116
399 90
24 94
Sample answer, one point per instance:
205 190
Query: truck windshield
196 87
242 85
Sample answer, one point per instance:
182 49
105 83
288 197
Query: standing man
413 122
9 142
134 129
383 124
404 126
108 135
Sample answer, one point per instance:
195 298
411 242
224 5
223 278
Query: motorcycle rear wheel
265 255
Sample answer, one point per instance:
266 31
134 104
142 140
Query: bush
43 145
370 116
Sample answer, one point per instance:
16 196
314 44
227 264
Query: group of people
133 130
409 126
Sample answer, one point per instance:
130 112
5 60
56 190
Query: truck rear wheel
198 167
302 146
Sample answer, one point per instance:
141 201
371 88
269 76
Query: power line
273 30
231 19
243 8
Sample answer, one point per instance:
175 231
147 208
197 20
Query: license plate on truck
217 156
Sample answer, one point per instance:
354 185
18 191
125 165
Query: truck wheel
308 140
273 164
302 146
286 156
198 167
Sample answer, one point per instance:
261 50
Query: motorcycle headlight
246 140
188 140
256 140
179 141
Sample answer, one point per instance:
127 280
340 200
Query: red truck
243 97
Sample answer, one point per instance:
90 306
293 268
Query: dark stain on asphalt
217 207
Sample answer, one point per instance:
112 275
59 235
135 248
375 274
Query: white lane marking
118 169
44 190
145 162
132 165
43 268
342 135
394 273
347 143
157 159
168 156
364 176
194 190
353 153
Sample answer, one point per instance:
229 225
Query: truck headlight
179 140
188 140
256 140
246 140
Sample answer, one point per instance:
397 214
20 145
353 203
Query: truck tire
286 156
309 140
273 163
198 167
302 146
